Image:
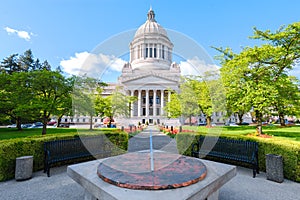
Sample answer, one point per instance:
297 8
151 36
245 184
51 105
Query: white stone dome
150 27
151 47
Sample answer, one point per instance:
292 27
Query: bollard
274 168
24 167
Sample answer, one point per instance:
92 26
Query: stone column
132 104
161 102
169 99
154 102
139 102
147 103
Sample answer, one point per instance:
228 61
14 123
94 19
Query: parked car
99 125
36 126
232 124
25 125
64 125
244 123
11 126
202 124
51 123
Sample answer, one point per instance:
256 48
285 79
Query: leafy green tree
115 105
16 87
15 96
259 68
50 90
84 96
287 93
173 108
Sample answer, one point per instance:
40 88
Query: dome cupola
151 47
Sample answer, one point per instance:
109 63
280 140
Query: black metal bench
65 150
236 150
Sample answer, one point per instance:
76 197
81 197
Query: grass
289 133
9 133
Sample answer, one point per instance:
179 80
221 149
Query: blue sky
59 30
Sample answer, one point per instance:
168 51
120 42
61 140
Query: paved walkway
60 187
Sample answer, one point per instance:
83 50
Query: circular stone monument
133 171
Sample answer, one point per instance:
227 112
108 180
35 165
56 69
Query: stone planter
274 168
24 167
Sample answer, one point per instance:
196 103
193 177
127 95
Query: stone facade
150 74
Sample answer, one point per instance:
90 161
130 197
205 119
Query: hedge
12 148
289 150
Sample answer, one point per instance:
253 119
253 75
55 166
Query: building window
146 52
157 111
150 52
144 99
157 100
83 120
77 120
154 53
96 120
163 52
66 120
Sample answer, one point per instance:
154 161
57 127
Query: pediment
149 78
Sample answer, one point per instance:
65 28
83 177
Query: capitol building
151 76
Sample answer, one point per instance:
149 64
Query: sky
66 32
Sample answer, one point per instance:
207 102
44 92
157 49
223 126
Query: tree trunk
91 122
18 123
208 121
190 120
259 122
240 116
59 120
281 119
45 121
110 120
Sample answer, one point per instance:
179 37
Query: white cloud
21 34
195 66
93 65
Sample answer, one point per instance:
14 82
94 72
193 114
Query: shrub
12 148
289 150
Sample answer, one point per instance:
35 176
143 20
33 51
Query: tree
84 96
16 86
15 96
288 97
173 108
50 90
117 104
258 69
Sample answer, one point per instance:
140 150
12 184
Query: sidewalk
60 187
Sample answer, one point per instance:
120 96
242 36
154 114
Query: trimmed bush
289 150
13 148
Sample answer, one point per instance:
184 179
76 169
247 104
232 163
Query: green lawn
8 133
291 133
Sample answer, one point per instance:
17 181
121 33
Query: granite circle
132 171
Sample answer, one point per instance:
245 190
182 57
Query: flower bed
170 131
